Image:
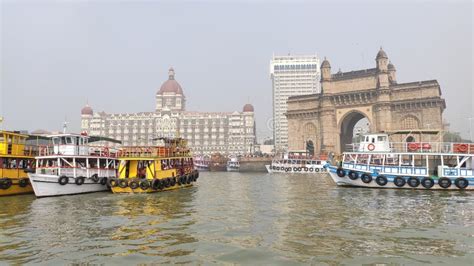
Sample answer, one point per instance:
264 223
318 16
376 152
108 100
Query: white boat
71 166
202 163
296 162
375 162
233 164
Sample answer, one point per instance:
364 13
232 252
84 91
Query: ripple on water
242 218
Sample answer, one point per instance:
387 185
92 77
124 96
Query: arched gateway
371 94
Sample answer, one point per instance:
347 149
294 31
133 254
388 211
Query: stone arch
346 127
410 122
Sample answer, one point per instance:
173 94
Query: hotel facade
207 132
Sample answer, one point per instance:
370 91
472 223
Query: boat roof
13 133
91 138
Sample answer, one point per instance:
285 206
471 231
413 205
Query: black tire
122 182
286 169
173 181
413 181
366 178
316 170
112 182
340 172
399 181
444 182
353 175
311 169
197 175
306 169
295 169
5 183
133 184
427 182
144 184
381 180
166 182
79 180
23 182
156 184
461 182
95 178
103 181
63 180
180 180
188 180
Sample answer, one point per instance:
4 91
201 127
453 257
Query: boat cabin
374 143
70 144
13 143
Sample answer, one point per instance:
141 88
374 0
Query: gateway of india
325 121
207 132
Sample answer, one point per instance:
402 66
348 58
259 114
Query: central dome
171 85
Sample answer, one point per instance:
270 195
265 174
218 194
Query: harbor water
242 218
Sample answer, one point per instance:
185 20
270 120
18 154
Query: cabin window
381 139
69 140
56 141
63 140
9 139
2 138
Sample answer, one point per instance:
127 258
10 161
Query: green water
229 218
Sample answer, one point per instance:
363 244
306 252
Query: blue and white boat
375 162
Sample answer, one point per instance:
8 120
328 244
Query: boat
145 169
218 163
202 163
376 162
16 159
233 164
71 165
297 162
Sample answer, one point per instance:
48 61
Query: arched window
410 122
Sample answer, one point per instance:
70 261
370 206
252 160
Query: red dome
87 110
171 85
248 108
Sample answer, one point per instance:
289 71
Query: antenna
65 125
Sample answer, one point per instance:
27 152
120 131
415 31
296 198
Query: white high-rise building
291 75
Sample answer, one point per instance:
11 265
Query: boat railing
87 150
415 147
153 152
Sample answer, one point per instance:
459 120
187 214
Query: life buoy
366 178
412 146
381 180
133 184
5 183
427 182
399 181
63 180
23 182
103 181
144 184
95 178
340 172
444 182
371 147
463 147
461 182
79 180
122 182
353 175
413 181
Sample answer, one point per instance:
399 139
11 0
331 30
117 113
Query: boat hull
16 189
232 169
314 169
48 186
346 181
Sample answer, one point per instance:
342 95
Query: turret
382 69
325 70
392 73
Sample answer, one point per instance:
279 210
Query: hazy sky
56 55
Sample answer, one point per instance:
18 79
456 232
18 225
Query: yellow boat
15 160
152 169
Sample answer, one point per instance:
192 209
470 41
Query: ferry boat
166 166
298 162
70 165
377 163
16 158
233 164
202 163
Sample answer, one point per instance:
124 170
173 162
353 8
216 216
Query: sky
58 55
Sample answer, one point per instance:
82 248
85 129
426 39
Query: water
242 218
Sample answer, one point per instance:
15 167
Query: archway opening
310 147
353 127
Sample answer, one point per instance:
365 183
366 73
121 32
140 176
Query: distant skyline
57 55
